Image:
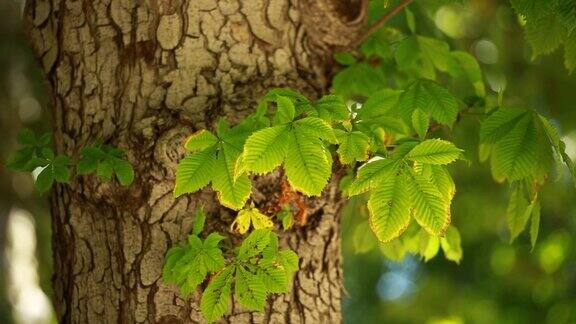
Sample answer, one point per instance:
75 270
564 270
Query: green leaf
420 122
566 11
371 174
173 256
250 290
529 8
275 279
332 107
359 79
200 141
270 251
484 151
232 192
544 33
409 58
124 171
236 136
410 20
500 123
471 70
568 161
286 217
559 146
393 250
60 168
45 179
188 266
354 146
33 154
431 208
515 156
362 239
315 128
285 112
344 58
379 104
378 45
439 177
199 221
570 51
550 131
404 148
215 300
46 153
254 244
88 163
389 207
265 150
106 161
518 212
437 52
451 245
27 137
211 254
289 260
194 172
534 223
45 139
434 151
285 92
432 99
307 166
390 125
105 170
18 160
429 246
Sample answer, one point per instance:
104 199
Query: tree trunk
142 75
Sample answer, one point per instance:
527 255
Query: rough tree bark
142 75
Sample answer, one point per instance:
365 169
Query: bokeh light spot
450 21
553 252
502 260
486 51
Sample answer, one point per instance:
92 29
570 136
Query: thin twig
372 29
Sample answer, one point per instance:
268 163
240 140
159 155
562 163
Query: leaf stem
372 29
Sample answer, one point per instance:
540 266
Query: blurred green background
494 283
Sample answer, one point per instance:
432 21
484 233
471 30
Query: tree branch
372 29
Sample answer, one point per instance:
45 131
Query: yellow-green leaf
389 207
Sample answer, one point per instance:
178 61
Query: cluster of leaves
251 272
382 125
521 150
411 182
406 176
294 137
213 160
391 55
414 241
106 161
548 25
522 146
302 135
36 153
427 246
